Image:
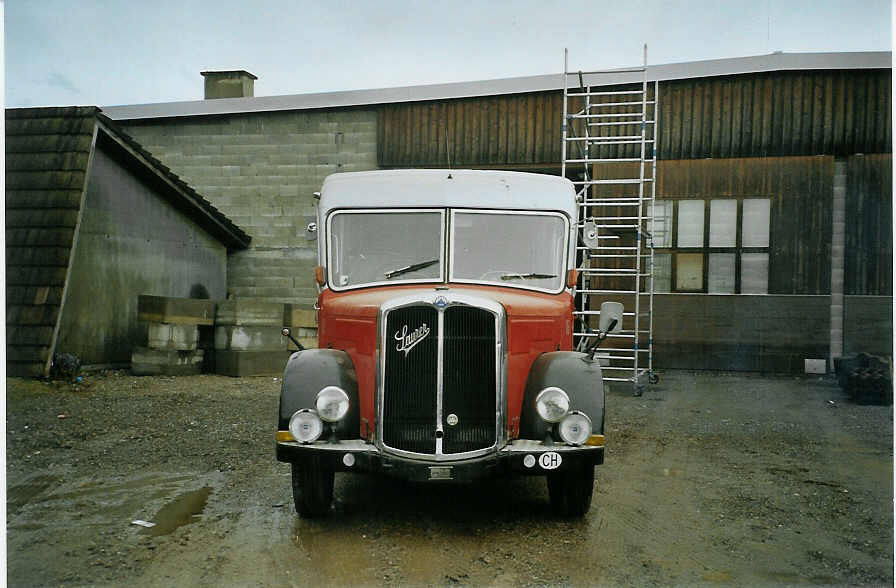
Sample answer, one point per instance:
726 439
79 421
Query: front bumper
519 457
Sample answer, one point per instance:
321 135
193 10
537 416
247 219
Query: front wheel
312 490
571 491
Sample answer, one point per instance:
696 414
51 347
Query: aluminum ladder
609 151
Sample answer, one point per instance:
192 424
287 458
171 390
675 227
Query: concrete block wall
261 169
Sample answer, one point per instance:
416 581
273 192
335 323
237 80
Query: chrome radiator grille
426 412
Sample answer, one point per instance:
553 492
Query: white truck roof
415 188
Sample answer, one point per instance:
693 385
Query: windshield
368 247
517 249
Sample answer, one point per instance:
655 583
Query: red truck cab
445 338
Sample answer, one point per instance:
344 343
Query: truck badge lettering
407 341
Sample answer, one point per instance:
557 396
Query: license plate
440 473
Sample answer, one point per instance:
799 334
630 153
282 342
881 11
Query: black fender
575 374
307 373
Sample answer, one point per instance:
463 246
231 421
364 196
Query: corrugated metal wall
767 114
869 225
496 130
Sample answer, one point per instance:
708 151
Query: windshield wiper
529 276
410 268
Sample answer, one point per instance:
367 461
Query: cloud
58 80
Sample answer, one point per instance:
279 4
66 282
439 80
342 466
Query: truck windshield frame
406 250
395 248
547 275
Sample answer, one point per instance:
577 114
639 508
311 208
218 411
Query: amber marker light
285 436
595 441
319 274
571 278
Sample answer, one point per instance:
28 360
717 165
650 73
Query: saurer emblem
408 340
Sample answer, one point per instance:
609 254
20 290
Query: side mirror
611 312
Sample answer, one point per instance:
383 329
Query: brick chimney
229 84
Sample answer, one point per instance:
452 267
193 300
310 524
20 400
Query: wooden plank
41 217
19 275
47 143
33 295
39 315
27 353
719 105
35 237
37 255
43 180
61 125
827 118
792 143
17 335
58 161
538 135
56 199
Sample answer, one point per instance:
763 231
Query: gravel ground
709 478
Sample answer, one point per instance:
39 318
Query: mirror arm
286 333
601 335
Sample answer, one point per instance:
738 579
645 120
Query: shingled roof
48 155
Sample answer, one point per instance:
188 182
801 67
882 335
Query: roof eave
540 83
213 220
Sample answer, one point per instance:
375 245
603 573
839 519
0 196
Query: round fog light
332 404
552 404
529 460
348 459
575 428
305 426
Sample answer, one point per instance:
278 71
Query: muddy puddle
183 510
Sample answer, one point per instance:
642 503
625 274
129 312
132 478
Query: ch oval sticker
550 460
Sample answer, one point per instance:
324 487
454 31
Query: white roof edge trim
425 188
519 85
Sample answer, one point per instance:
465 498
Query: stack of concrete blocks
303 324
248 338
173 335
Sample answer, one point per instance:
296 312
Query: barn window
716 246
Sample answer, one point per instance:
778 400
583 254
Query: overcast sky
105 53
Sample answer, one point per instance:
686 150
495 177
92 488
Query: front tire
312 490
571 491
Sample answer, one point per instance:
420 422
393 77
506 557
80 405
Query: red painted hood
517 303
536 323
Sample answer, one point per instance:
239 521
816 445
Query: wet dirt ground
709 479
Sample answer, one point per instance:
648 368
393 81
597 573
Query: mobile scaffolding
609 151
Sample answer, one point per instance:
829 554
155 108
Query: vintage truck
445 338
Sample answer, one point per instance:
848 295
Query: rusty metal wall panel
752 115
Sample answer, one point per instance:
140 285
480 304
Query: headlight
575 429
332 404
305 426
552 404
